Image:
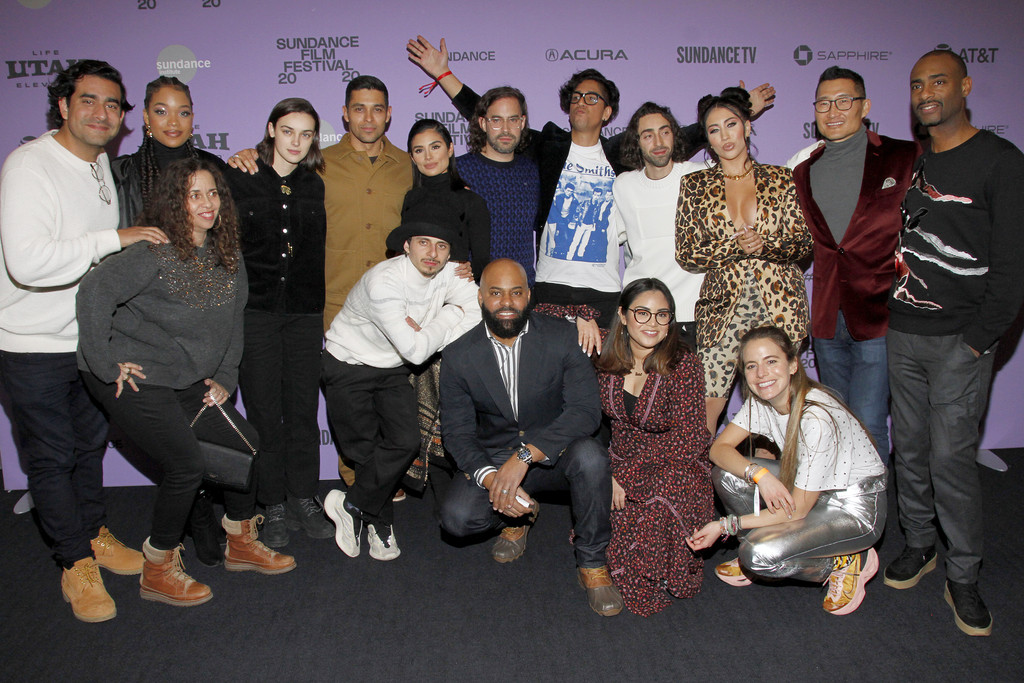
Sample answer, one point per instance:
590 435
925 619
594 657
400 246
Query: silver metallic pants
840 523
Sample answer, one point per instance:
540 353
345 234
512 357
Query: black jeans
373 414
606 303
279 380
157 420
61 440
583 470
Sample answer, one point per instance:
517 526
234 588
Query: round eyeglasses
642 316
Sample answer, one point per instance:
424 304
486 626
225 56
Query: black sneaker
308 514
907 569
274 533
969 611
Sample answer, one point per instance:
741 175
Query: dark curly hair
168 210
617 355
478 135
736 100
631 156
65 82
149 171
611 91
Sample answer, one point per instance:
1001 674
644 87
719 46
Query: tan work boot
115 556
83 588
603 596
164 579
245 553
511 542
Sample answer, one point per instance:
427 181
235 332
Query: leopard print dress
704 244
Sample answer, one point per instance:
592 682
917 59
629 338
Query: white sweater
647 209
53 228
371 328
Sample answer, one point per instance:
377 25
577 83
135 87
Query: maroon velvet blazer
856 274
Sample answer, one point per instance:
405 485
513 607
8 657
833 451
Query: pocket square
888 182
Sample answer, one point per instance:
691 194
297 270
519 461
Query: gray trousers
939 390
840 523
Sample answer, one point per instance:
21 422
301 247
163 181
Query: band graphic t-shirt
580 245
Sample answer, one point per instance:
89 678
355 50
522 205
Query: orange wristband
760 473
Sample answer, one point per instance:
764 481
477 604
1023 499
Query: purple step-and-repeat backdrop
241 56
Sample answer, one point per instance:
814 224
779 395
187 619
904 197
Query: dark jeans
938 394
858 372
157 420
607 303
373 414
61 439
280 382
582 469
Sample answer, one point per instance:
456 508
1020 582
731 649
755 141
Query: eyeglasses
590 98
97 173
842 104
499 122
642 316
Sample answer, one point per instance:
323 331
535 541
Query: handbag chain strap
230 422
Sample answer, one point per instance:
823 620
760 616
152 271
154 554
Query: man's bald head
503 270
504 295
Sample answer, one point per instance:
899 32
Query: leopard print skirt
721 360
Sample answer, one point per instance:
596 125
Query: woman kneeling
824 500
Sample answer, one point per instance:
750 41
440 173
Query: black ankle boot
206 531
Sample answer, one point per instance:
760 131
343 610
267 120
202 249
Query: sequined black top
180 320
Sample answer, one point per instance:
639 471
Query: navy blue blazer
558 395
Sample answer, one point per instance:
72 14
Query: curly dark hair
611 91
65 82
617 356
149 171
168 211
631 156
477 134
736 100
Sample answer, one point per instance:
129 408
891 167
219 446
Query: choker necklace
741 176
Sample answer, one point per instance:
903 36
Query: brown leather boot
245 553
83 588
602 594
115 556
164 579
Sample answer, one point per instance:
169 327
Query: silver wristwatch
524 454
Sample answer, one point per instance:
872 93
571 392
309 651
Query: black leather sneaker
907 569
969 611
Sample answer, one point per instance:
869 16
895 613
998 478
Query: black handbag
224 466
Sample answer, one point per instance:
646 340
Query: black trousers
606 303
583 470
157 420
280 381
373 414
62 435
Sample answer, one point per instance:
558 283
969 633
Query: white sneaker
348 528
382 549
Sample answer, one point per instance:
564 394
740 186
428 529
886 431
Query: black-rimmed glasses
842 104
590 98
642 316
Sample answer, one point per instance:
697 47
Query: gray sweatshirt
180 320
